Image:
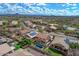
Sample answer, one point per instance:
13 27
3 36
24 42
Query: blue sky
57 9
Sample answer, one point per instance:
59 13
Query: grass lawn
53 52
17 46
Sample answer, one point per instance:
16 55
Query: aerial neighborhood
37 37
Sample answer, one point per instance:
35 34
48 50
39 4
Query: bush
17 46
25 41
74 45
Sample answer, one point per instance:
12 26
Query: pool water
32 33
39 45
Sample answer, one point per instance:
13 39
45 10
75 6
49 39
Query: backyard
23 42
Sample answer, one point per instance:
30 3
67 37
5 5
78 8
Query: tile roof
20 52
4 48
29 23
2 39
60 40
22 31
43 37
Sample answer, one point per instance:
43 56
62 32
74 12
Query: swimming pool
32 33
39 45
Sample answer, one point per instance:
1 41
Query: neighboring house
73 39
28 23
13 23
71 28
23 31
9 40
2 40
4 49
50 28
26 52
60 44
1 23
13 30
73 52
20 52
13 36
61 40
53 26
65 27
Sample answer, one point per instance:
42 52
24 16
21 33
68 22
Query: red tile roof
22 31
42 37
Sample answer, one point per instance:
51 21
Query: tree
25 41
74 45
17 46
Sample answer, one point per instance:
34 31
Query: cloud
68 8
37 10
47 11
71 4
73 7
76 12
41 4
42 11
63 5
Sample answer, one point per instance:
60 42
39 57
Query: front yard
53 52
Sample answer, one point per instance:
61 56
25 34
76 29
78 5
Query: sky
47 9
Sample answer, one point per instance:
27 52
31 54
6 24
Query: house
13 23
20 52
60 44
73 52
47 28
13 30
61 40
9 40
42 37
1 29
30 51
28 23
53 26
2 40
50 28
1 23
41 40
65 26
4 49
73 39
71 28
13 36
24 31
